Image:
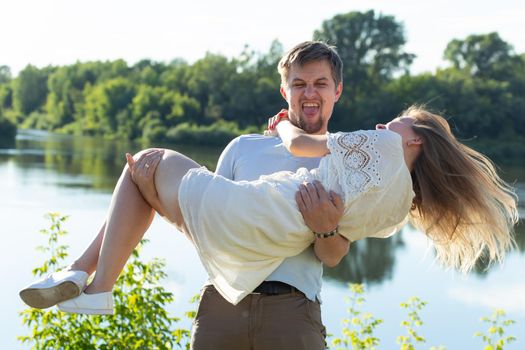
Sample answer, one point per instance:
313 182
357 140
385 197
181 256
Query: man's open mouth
310 109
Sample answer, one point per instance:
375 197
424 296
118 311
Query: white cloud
511 298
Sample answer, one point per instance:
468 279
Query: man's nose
310 91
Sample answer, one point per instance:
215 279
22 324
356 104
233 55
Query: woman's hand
273 121
142 170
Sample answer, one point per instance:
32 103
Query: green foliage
30 89
413 306
140 321
369 44
7 131
486 56
359 327
104 103
495 338
216 134
5 74
6 96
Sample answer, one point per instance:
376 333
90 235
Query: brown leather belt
275 288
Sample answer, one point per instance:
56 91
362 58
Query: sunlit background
61 32
48 172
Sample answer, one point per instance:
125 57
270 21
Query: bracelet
327 234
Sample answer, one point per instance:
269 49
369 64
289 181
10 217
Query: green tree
5 74
30 89
371 47
158 108
209 82
104 103
6 97
366 41
7 131
254 91
484 55
66 85
175 76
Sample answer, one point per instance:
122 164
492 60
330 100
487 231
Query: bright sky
60 32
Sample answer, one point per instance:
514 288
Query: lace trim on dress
358 156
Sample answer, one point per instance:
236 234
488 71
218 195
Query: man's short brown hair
311 51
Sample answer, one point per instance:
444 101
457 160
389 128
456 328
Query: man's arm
321 212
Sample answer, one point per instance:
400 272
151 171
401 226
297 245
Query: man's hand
321 212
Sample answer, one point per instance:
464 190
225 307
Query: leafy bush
495 337
358 329
216 134
413 306
140 320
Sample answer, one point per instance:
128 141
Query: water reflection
89 162
370 261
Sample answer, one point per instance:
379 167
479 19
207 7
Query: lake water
75 175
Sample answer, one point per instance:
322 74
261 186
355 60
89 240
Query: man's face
311 94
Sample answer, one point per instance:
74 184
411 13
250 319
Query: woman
411 167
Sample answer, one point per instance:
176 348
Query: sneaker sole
42 298
75 310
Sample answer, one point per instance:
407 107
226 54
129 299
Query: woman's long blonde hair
461 203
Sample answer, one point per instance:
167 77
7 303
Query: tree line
216 98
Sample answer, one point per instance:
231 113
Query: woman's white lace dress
243 230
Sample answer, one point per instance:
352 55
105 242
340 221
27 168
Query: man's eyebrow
302 80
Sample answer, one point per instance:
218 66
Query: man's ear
283 92
338 91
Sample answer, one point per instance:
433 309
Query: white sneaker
90 304
54 288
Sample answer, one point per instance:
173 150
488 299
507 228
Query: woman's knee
145 151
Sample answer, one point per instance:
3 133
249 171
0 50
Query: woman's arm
299 143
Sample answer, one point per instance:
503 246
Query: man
284 311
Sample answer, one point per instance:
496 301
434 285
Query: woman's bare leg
129 217
168 176
87 262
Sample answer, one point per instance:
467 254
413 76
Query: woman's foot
54 288
90 304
